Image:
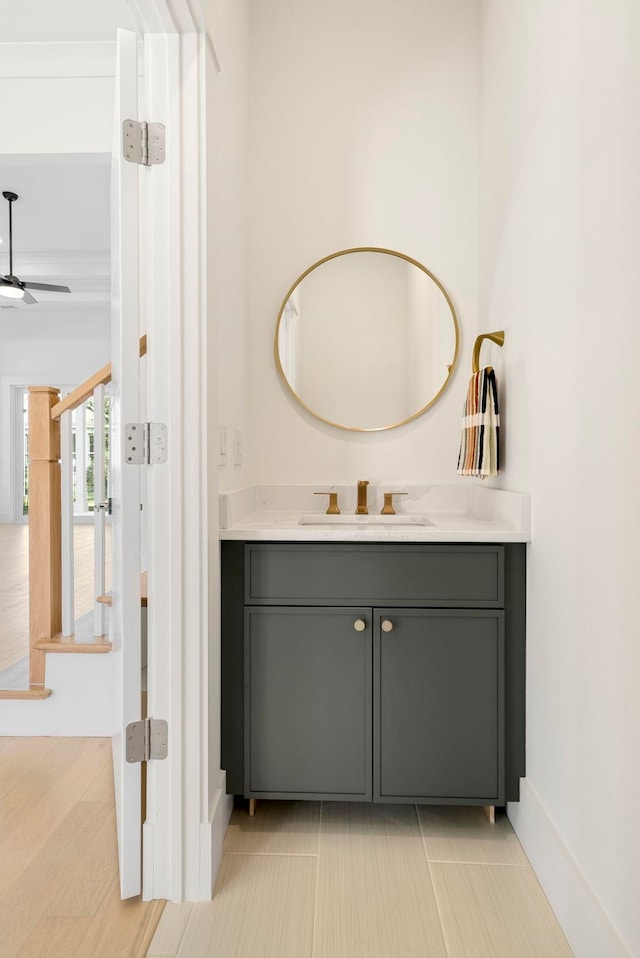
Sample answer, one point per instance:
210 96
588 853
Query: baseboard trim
212 838
581 916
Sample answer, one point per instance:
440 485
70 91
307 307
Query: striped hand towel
480 443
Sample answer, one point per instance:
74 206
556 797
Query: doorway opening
61 235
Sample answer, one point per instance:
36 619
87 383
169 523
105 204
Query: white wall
229 271
364 126
81 703
228 303
560 187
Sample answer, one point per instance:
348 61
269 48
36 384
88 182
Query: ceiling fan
12 287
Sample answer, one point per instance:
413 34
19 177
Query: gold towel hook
497 338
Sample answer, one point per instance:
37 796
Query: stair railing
99 509
51 559
68 511
45 527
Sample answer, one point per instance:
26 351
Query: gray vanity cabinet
439 705
308 707
373 671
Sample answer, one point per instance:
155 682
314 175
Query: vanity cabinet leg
490 812
252 806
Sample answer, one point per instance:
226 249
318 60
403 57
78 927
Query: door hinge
145 443
147 739
143 143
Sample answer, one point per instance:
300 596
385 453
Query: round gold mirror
366 339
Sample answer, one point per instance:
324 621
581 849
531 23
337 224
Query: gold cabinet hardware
332 509
497 338
387 625
359 625
387 509
362 508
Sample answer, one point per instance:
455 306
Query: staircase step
38 692
67 643
107 599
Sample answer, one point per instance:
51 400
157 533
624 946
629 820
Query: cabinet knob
359 625
387 625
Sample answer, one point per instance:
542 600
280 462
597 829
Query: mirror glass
366 339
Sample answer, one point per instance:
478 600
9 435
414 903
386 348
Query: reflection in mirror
366 339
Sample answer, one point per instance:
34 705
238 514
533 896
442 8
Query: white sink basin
322 519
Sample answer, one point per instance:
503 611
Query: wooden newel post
45 527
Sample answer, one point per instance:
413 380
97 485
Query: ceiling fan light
11 292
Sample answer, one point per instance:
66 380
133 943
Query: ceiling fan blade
47 286
11 286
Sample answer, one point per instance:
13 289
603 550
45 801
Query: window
83 420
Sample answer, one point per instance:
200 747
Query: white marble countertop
458 513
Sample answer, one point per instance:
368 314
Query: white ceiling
63 204
33 21
61 228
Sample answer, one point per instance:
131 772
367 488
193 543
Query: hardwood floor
59 892
299 880
14 585
338 880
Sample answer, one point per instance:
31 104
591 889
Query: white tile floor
334 880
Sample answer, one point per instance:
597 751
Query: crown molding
31 60
88 59
77 265
182 17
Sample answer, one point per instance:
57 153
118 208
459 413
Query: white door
125 478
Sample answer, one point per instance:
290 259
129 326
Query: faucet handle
387 509
333 509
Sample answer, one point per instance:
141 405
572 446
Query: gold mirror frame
408 259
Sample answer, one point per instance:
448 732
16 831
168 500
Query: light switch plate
224 444
237 446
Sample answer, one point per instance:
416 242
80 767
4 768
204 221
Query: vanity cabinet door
439 706
308 681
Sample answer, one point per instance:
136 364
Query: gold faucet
387 509
333 508
362 508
